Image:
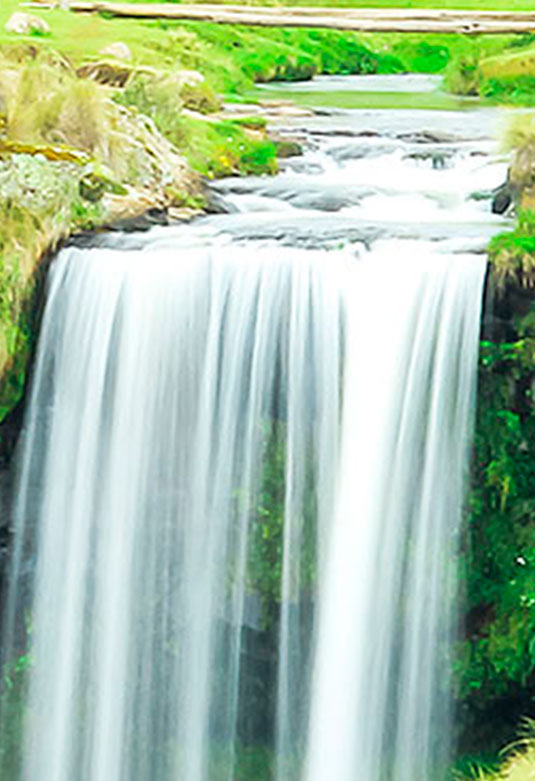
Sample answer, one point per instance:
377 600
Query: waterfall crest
240 487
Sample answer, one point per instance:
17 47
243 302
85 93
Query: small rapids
241 476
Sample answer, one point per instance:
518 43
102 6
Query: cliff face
495 662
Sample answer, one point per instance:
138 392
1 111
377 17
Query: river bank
386 193
192 133
112 73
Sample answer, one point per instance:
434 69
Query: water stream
241 474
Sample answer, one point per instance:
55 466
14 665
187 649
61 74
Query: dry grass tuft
519 131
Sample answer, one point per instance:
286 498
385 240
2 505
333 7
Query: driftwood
358 19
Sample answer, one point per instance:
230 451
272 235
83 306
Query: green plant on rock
266 544
13 689
496 661
512 254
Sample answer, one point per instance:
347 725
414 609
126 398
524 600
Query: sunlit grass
518 763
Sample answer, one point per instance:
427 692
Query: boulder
25 24
111 74
502 198
119 50
188 78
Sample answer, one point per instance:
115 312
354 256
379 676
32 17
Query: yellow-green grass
512 63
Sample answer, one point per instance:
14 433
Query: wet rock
141 222
502 199
133 206
437 160
287 148
216 204
5 503
344 133
427 137
301 166
357 152
324 201
25 24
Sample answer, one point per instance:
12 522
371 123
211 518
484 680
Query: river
243 464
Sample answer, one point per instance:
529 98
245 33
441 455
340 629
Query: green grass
345 99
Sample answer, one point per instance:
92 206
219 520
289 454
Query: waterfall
240 486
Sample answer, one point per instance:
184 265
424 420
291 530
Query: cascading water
240 486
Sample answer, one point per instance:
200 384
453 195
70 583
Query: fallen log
361 20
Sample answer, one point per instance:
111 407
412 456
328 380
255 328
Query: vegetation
12 696
518 761
512 254
42 97
496 664
46 197
70 107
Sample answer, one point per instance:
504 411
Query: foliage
248 762
496 662
213 149
266 543
38 201
518 762
516 90
12 713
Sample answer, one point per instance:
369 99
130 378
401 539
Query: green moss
39 200
517 90
264 576
12 708
496 662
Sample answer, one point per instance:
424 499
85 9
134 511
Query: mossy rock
288 148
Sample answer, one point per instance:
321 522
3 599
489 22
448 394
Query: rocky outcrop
25 24
119 50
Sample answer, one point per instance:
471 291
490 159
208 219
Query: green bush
518 90
463 76
495 666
